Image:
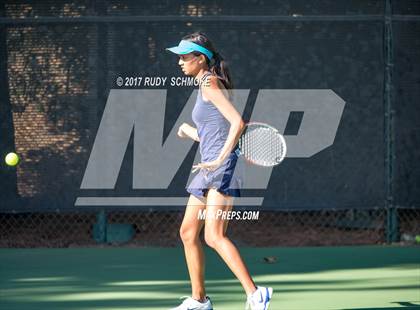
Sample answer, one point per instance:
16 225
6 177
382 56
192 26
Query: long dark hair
217 65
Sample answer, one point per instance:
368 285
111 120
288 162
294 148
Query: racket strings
262 145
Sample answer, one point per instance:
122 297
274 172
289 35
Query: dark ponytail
221 70
217 65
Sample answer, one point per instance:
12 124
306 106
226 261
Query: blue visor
186 47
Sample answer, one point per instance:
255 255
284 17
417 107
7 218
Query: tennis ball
418 238
12 159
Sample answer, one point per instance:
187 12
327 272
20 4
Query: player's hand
181 132
209 166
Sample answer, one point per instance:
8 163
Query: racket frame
239 152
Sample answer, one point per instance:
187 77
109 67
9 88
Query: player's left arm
213 92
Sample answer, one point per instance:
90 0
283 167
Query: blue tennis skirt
225 179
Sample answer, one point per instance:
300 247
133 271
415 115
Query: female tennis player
218 127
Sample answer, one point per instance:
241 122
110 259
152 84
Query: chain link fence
273 228
62 60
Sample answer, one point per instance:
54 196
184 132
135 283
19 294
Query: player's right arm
187 131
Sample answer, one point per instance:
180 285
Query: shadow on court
406 306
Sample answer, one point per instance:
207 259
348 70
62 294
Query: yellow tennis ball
12 159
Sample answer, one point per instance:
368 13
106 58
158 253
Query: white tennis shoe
192 304
260 299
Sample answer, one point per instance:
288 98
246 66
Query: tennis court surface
363 277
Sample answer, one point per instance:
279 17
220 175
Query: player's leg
194 255
215 236
258 297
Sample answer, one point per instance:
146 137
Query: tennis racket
262 145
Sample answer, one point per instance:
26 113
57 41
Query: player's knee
212 239
187 234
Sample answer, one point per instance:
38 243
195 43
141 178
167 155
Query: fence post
100 227
392 225
392 214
